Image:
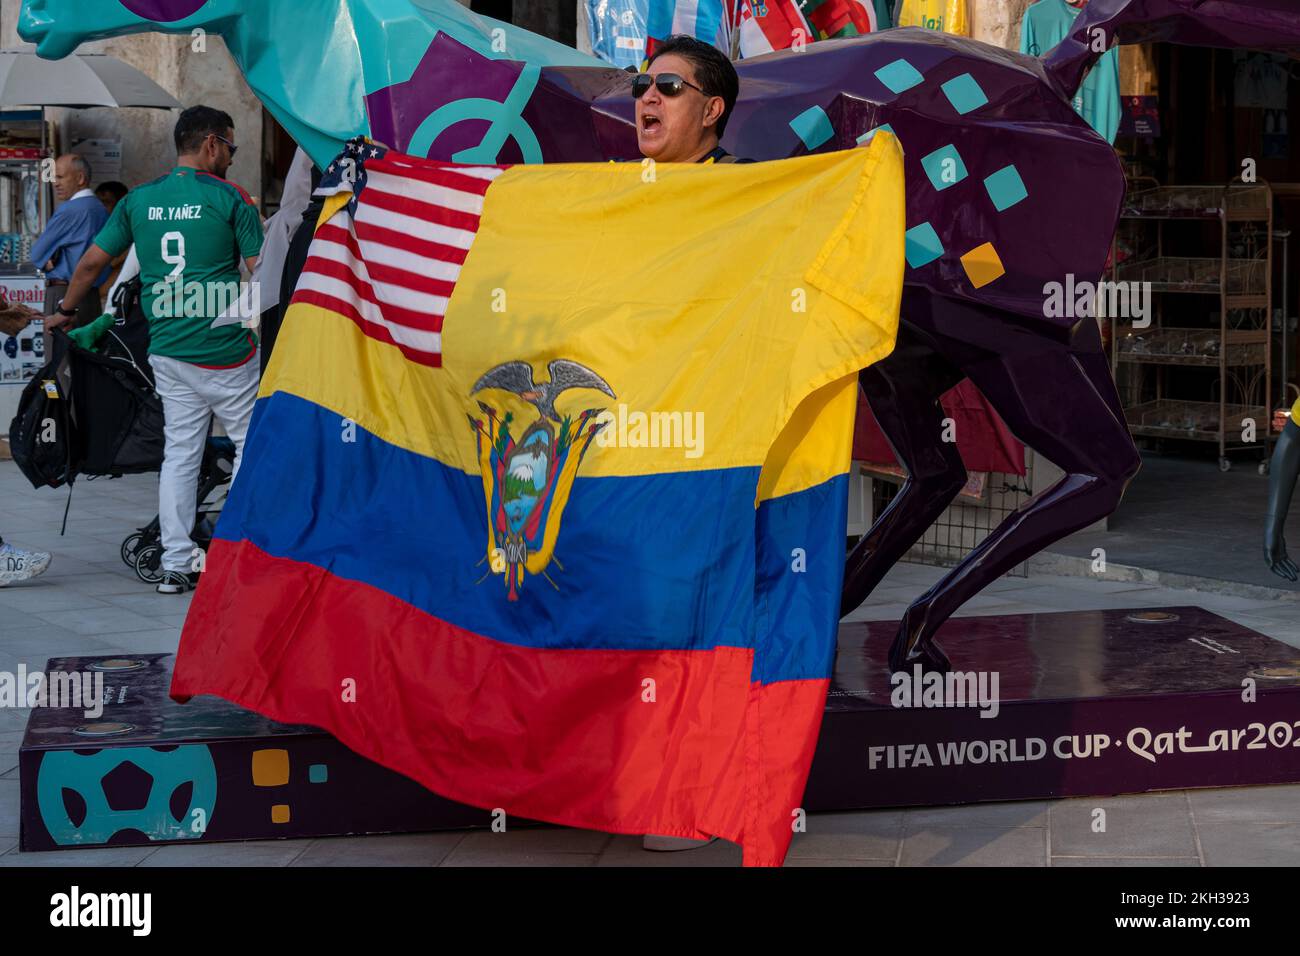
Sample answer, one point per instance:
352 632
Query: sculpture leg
904 391
1058 401
1283 477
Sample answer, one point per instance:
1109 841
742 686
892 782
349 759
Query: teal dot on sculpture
318 773
944 167
1005 187
921 245
813 126
899 76
964 93
869 133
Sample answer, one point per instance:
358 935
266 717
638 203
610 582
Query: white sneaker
19 565
669 844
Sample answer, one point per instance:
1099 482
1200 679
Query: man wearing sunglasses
683 102
191 229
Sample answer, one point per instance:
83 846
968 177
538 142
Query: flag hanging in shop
544 498
707 20
769 25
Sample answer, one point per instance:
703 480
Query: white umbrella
78 81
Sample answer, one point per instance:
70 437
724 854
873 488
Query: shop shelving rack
1240 276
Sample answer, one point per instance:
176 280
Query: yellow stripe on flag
729 293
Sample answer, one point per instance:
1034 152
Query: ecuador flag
543 504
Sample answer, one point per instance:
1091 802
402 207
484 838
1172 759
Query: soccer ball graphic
163 794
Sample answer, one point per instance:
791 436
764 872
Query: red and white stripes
392 267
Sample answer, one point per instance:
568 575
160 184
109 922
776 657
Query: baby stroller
142 549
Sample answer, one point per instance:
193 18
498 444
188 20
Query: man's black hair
196 124
713 71
113 188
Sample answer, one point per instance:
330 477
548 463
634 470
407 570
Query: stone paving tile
146 601
1106 861
1250 844
11 620
836 863
9 809
34 646
627 851
1027 813
43 595
527 841
863 835
1278 804
530 860
100 856
250 853
975 846
163 640
94 622
405 849
1154 824
106 583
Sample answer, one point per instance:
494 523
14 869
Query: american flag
389 259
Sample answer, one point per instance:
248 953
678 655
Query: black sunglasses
233 148
669 84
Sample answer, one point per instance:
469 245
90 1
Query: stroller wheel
130 544
148 564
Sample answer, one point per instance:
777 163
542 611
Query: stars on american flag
347 173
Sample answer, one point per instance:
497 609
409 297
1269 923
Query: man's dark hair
113 188
713 71
196 124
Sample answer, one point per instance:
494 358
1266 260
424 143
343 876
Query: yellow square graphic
982 265
270 768
280 813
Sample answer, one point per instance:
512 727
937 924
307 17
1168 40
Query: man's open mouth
650 123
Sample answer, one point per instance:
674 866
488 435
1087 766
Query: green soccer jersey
190 230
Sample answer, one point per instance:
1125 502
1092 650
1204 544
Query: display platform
1088 703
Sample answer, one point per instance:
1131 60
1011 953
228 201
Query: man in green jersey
191 228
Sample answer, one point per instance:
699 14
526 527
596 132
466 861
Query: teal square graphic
921 245
318 773
1005 187
964 93
899 76
813 126
885 126
937 164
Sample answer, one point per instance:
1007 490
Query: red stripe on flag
557 735
439 174
420 321
386 274
369 232
426 212
371 329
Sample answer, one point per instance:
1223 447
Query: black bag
40 436
117 415
91 413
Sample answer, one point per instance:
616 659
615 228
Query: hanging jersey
1046 24
945 16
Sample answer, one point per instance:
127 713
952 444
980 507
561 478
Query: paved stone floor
89 603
